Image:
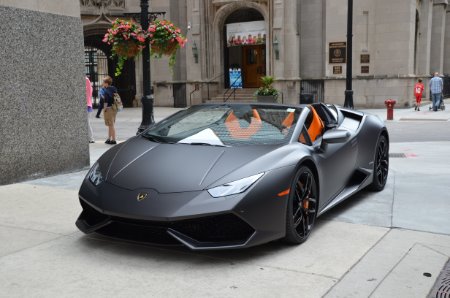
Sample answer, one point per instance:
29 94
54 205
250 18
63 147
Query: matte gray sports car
219 176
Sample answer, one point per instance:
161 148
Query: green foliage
267 89
128 39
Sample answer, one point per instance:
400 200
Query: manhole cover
397 155
441 288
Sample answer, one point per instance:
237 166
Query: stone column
437 36
291 40
278 35
424 38
312 44
291 52
43 118
285 31
446 69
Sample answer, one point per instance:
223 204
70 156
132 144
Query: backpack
117 104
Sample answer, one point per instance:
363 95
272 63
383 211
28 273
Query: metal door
96 68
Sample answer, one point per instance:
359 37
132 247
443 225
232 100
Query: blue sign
235 78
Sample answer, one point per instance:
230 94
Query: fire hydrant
390 103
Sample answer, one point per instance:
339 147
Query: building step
241 95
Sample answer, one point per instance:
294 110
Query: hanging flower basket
165 39
167 50
128 49
127 39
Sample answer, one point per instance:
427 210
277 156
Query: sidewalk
374 245
409 114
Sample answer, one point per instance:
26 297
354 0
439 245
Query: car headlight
95 175
235 187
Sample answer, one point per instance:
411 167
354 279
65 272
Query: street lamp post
348 86
147 96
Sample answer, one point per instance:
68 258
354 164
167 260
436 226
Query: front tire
380 165
302 207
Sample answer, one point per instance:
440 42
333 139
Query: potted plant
267 93
127 39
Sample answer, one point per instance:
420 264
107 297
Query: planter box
266 98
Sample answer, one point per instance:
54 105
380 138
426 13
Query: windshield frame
156 132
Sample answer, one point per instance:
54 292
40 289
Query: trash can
179 95
306 98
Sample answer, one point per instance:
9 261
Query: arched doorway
244 40
97 52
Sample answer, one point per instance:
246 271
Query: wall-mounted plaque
338 52
364 68
365 58
337 69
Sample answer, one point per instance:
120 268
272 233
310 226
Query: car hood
168 168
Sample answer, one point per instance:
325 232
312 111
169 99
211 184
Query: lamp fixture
276 48
195 52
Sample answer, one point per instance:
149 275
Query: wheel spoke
297 212
299 191
298 221
308 185
307 221
304 226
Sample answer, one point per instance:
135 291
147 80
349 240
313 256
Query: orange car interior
316 127
238 132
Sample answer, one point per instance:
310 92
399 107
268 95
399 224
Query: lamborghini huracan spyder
219 176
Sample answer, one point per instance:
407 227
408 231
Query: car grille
138 233
215 231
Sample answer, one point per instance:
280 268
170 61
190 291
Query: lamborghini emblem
141 196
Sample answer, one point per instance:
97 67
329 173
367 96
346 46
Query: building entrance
245 49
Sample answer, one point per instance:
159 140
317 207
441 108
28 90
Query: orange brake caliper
306 204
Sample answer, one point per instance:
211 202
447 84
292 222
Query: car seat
316 127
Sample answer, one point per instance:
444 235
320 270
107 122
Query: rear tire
380 164
302 206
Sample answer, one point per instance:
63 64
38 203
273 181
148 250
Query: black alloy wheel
381 164
302 207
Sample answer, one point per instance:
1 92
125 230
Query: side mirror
335 136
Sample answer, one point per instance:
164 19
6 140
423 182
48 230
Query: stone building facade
43 119
302 44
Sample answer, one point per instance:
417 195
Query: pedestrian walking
89 109
101 103
418 91
109 114
436 86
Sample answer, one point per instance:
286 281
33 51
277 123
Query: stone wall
43 117
371 92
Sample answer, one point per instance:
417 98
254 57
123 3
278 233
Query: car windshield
227 125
